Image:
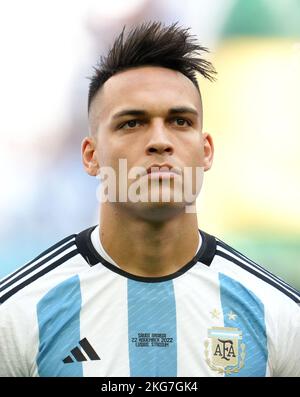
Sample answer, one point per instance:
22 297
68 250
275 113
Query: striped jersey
73 312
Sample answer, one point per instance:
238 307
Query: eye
181 122
130 124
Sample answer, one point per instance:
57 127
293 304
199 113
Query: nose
159 141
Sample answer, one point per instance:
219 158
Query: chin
156 212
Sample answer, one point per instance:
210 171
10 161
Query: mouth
162 171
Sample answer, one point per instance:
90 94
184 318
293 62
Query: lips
163 168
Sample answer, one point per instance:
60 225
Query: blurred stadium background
251 197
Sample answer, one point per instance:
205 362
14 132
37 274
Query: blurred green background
252 194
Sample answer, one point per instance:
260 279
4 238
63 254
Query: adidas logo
77 355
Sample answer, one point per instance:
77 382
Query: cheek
105 149
111 152
194 152
105 156
197 160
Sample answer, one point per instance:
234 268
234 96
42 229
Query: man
145 293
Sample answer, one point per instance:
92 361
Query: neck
148 249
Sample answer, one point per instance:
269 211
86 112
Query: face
150 116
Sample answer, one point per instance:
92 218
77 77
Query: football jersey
73 312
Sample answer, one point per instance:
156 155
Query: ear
89 156
208 147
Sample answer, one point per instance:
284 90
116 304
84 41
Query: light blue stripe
59 329
250 320
152 310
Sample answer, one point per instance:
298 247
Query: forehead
150 88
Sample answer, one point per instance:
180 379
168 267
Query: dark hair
153 44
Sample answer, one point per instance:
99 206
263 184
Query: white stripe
277 281
35 262
197 295
40 268
106 328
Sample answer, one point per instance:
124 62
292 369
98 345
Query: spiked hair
153 44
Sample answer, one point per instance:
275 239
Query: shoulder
232 263
51 267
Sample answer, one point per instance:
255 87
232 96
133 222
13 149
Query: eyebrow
138 112
183 109
129 112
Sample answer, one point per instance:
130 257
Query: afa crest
224 351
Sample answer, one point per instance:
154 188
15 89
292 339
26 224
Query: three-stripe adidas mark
79 356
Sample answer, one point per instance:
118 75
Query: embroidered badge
224 350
